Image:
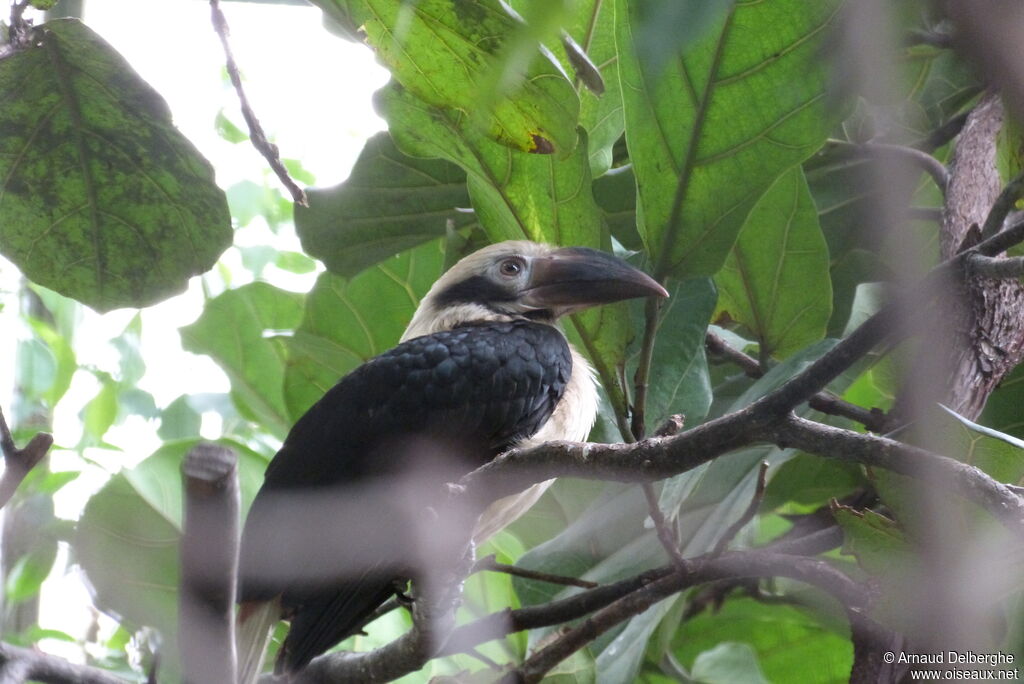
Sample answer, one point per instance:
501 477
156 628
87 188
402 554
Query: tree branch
873 419
641 379
19 462
665 535
770 561
748 514
756 563
955 476
944 133
256 134
490 563
1003 205
926 162
29 664
995 267
209 565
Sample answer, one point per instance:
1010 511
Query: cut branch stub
209 564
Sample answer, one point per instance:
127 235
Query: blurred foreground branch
22 664
209 565
18 462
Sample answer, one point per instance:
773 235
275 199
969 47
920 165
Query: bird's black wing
480 387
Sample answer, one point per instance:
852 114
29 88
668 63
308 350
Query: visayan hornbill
482 367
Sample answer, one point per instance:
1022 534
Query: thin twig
19 462
944 133
665 534
998 243
933 38
491 564
641 379
256 134
873 419
926 162
748 514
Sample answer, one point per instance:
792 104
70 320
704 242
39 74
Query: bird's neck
429 320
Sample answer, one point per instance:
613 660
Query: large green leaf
791 644
102 199
877 542
592 28
615 193
516 195
718 125
776 279
390 203
809 480
998 454
127 538
448 52
1002 411
347 322
233 330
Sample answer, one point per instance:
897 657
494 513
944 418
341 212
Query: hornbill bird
482 367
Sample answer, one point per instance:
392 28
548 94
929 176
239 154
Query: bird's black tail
326 619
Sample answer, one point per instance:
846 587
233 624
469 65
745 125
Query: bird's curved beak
573 278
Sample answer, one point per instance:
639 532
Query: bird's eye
511 267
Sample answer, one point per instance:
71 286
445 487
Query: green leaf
727 663
786 639
446 52
810 480
1002 411
227 129
346 322
741 106
515 195
128 345
621 659
127 538
25 578
35 634
64 356
390 203
295 262
579 668
667 27
179 421
249 200
996 453
776 279
680 383
103 199
232 330
875 541
615 193
37 368
101 412
593 29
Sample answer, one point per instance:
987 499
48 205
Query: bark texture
987 316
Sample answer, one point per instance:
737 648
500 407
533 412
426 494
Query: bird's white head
527 280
